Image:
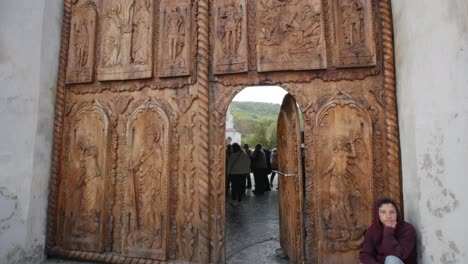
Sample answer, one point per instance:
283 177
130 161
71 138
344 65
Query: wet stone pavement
252 230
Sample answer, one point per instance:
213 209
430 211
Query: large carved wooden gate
144 85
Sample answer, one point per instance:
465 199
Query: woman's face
388 214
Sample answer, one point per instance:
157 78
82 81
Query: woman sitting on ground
390 240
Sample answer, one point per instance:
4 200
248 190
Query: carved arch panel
86 178
344 160
145 214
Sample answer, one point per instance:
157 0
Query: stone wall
29 52
431 52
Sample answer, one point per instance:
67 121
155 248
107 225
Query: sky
266 94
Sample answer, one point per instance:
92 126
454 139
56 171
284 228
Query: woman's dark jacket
381 241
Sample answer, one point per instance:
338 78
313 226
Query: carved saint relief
231 37
146 190
142 32
126 41
175 26
345 165
80 67
290 35
87 161
355 45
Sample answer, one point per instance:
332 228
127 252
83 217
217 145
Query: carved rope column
203 121
393 150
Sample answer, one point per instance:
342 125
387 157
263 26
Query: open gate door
290 181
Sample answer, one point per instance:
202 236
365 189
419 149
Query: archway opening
252 207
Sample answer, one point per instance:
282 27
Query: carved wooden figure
126 40
345 168
230 48
174 44
354 29
145 215
86 176
139 149
290 35
80 68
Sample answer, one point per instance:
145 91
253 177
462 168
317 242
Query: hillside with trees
256 121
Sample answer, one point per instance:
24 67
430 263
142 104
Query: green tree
273 135
260 135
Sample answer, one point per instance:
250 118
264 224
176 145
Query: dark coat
381 241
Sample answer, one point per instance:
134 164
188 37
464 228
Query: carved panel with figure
126 41
290 35
230 49
354 33
174 41
86 178
80 68
345 169
145 213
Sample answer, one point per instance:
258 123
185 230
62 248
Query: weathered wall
431 44
29 49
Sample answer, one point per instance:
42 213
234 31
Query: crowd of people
240 162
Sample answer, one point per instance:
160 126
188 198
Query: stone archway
155 86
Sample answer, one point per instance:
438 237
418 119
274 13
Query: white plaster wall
431 52
29 55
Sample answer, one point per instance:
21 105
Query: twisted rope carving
390 102
58 129
102 257
203 121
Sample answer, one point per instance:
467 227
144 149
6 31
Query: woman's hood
385 200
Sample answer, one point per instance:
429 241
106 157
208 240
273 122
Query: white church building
232 135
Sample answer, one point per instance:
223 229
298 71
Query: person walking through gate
248 151
228 154
268 161
274 164
238 168
390 240
260 169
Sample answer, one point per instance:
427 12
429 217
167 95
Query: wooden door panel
290 180
86 176
344 165
126 41
145 213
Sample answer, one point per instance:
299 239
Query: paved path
252 229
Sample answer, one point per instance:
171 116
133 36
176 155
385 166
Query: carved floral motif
185 100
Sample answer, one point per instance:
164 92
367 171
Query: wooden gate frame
210 162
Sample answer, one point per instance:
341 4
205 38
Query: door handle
285 174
